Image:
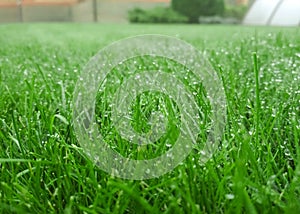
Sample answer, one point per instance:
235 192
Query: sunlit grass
43 169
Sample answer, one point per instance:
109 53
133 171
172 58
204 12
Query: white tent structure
274 12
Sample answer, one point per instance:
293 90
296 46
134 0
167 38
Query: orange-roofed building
72 10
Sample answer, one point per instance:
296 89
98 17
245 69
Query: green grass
43 169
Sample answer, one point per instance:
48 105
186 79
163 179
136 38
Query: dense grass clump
44 170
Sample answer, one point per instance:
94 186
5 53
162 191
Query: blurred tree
193 9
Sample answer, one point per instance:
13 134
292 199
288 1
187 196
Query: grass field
255 170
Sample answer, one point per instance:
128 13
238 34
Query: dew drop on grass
169 155
229 196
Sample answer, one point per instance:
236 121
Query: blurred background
259 12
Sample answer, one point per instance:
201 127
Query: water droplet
229 196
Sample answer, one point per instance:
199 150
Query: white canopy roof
274 12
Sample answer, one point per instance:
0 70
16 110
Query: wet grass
256 169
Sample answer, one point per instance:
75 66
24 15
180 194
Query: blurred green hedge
237 12
156 15
193 9
214 15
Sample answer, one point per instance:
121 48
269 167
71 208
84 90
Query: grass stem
257 97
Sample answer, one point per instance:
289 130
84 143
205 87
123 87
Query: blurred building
71 10
36 10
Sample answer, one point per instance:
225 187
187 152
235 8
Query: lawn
43 168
